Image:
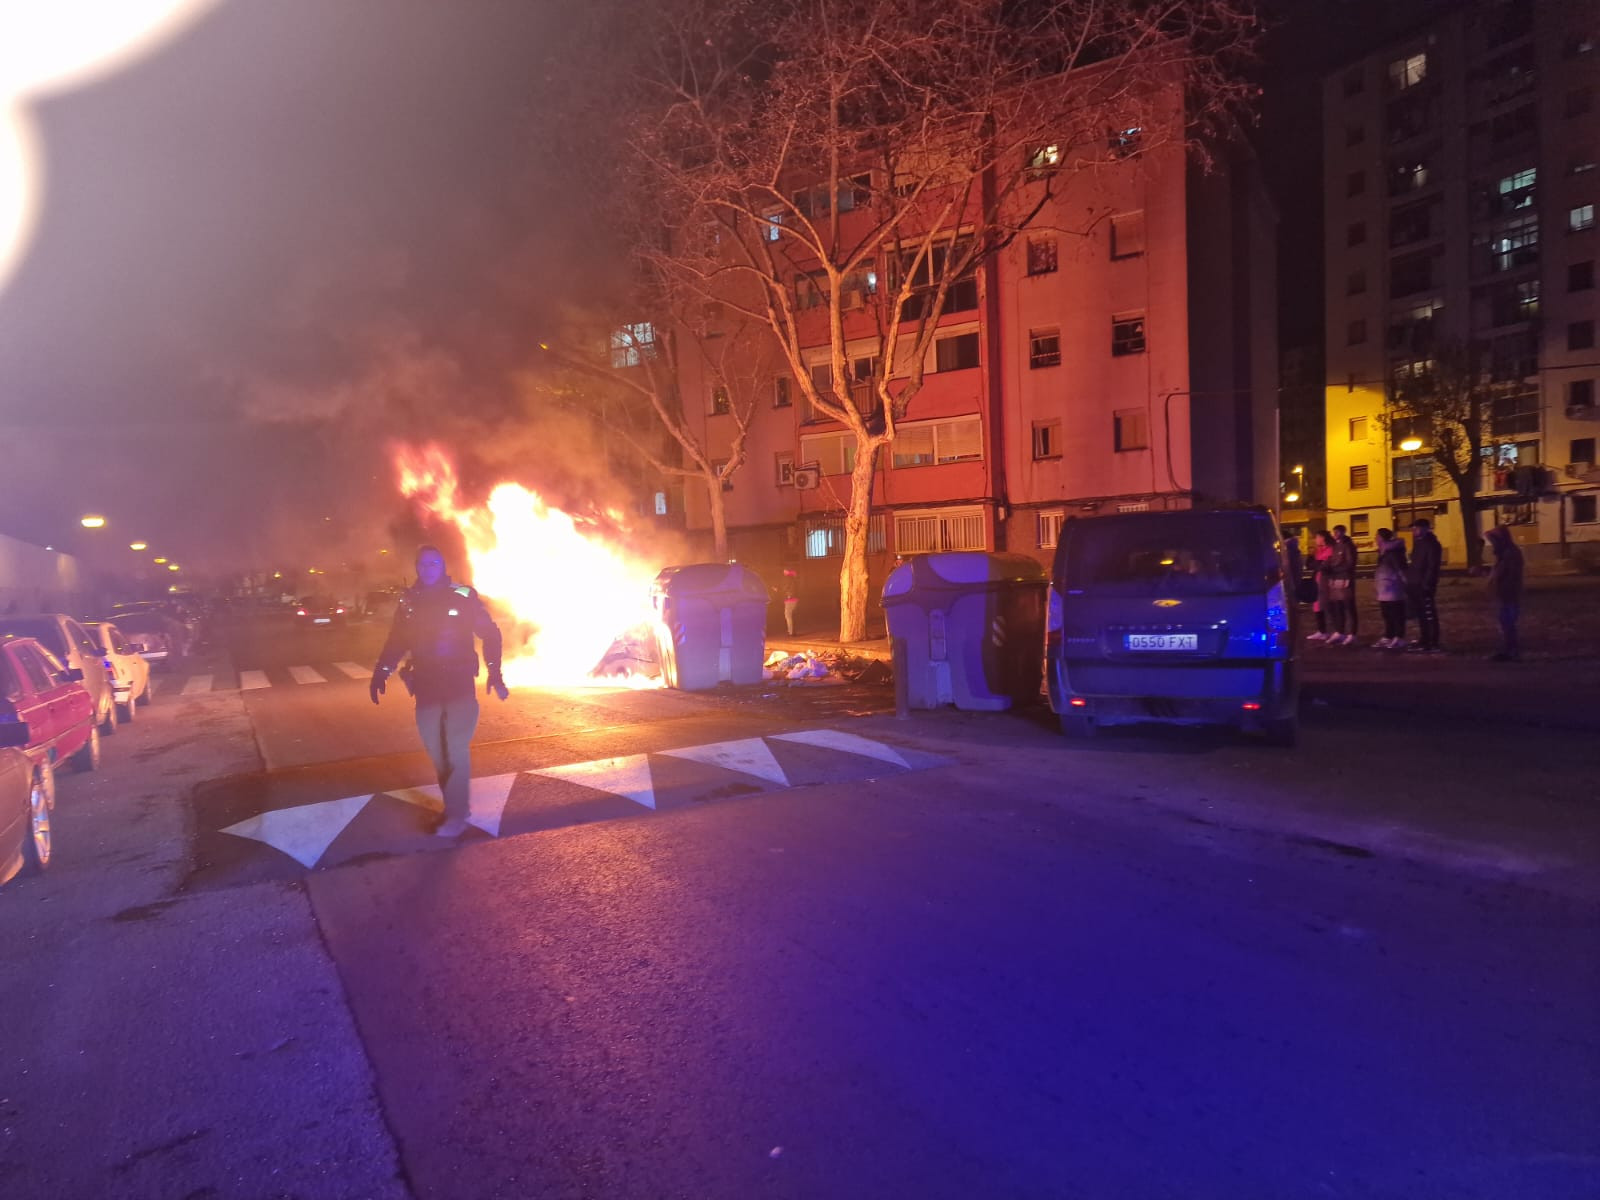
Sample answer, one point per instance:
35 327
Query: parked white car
130 673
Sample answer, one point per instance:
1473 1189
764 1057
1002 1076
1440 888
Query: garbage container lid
960 569
715 578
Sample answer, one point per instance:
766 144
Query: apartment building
1461 183
1123 362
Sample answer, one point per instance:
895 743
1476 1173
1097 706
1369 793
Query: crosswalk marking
306 832
253 679
306 675
354 670
197 684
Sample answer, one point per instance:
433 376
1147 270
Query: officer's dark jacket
436 626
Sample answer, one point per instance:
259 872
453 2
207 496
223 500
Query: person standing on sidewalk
1505 590
1389 580
1422 585
1321 553
1342 589
438 623
791 597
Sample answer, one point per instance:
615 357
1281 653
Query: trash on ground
825 667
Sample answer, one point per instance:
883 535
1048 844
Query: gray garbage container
973 628
711 625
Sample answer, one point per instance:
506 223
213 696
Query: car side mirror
73 674
14 734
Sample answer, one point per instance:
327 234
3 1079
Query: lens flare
571 584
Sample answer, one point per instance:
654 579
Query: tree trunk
857 523
718 502
1471 528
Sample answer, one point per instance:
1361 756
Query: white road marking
306 675
303 833
197 684
354 670
488 802
628 776
253 679
748 756
850 743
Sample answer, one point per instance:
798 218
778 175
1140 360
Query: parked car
319 610
1178 617
153 635
176 611
130 673
71 644
27 794
38 692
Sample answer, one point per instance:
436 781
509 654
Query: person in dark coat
1505 590
1422 584
1342 624
438 623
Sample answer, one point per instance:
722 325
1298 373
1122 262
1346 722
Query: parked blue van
1183 617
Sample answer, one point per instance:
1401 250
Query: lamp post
1411 445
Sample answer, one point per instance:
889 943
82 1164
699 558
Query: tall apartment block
1127 367
1462 170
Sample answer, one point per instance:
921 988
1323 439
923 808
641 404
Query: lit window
633 344
1044 158
1580 218
773 229
1049 528
1044 348
1408 72
1125 142
824 536
1130 430
720 403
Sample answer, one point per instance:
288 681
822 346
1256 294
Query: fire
572 590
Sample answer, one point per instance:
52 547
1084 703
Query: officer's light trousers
446 727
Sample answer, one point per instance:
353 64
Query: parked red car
27 794
50 699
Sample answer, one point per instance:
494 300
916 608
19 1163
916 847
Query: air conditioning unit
806 478
1581 412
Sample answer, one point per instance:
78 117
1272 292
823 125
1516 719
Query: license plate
322 621
1163 641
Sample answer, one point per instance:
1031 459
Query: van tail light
299 612
1078 702
337 611
1250 706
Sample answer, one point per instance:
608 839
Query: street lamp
137 546
1292 498
92 521
1411 445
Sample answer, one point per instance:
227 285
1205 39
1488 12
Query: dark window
1354 135
1131 430
1580 393
1355 234
1413 273
1165 554
720 404
1047 439
1352 82
1044 348
1580 276
1127 334
9 687
41 674
958 353
1355 183
1127 235
1581 451
1355 333
1355 283
1583 509
1358 477
1579 101
1360 524
1412 224
1413 476
1580 335
1510 415
782 397
1042 254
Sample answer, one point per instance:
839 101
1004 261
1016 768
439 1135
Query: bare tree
828 167
1448 405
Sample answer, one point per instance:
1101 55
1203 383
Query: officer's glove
380 679
496 686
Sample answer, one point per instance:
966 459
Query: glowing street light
172 566
92 521
159 561
1411 445
1292 498
137 546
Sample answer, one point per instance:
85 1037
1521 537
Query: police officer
436 622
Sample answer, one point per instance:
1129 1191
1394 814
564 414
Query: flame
572 590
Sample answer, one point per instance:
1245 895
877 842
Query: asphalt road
773 942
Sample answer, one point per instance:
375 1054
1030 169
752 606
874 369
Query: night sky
304 228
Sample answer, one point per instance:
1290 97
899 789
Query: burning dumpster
710 625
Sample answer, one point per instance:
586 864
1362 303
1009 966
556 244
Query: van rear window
1166 554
